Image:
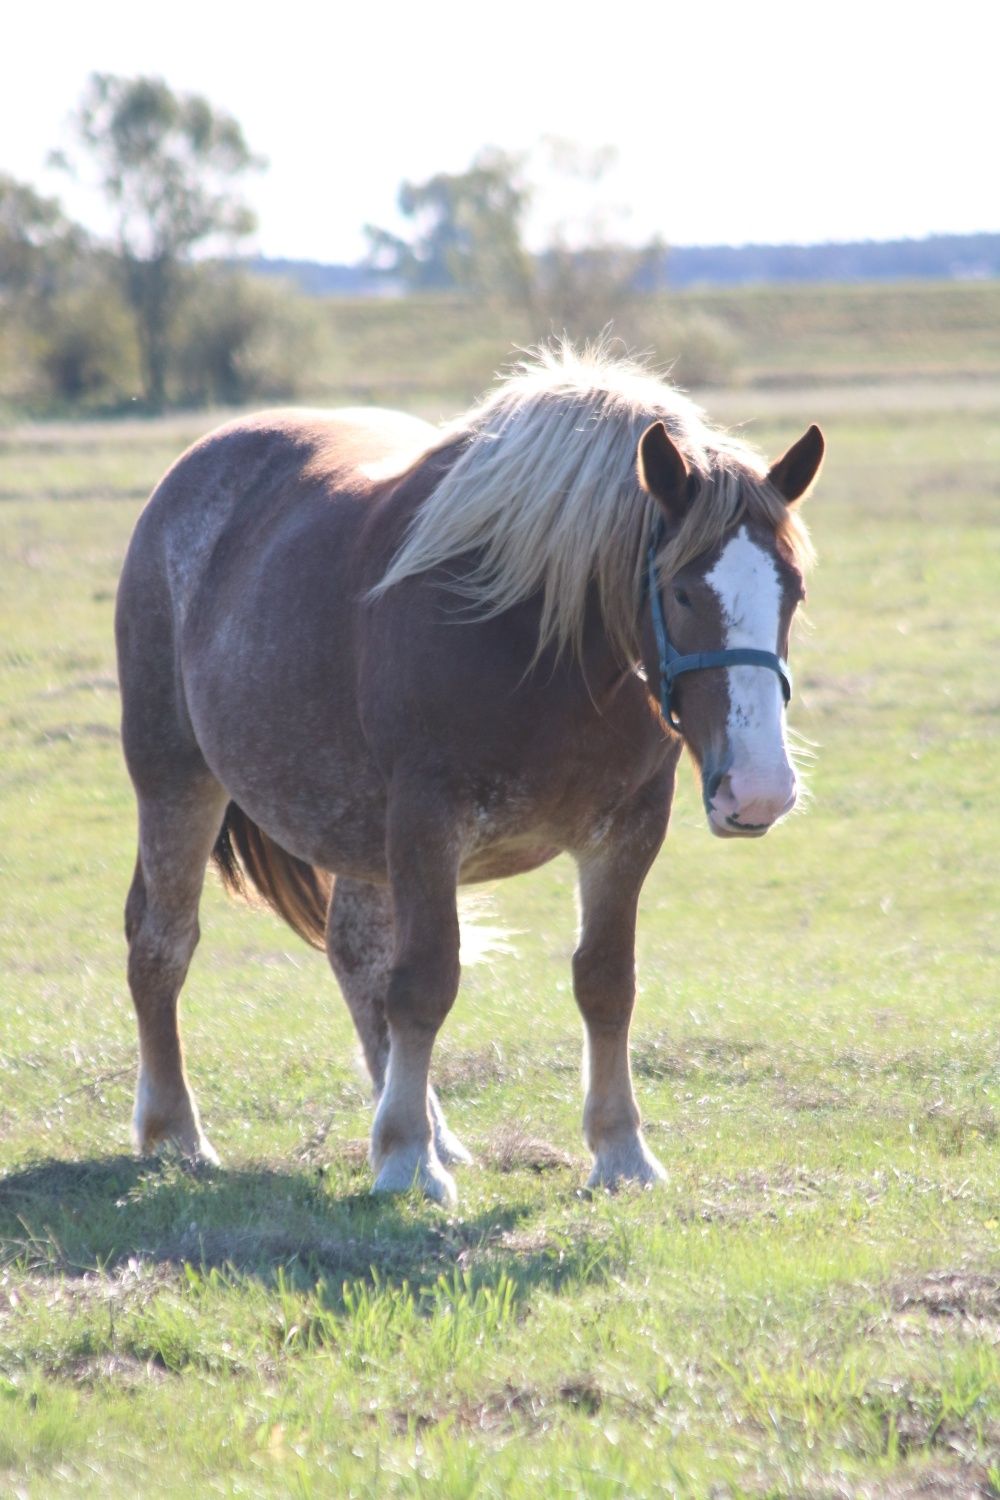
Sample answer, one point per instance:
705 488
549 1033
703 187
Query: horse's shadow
106 1214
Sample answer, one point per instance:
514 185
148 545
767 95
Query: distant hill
939 257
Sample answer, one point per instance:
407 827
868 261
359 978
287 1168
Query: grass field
433 353
810 1308
790 336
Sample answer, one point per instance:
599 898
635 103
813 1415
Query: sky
759 122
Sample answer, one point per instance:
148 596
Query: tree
166 163
467 232
37 241
587 275
63 328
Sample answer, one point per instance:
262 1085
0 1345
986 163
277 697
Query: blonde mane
545 492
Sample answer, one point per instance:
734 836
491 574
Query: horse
364 661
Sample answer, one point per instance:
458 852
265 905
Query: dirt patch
965 1296
958 1482
811 1100
470 1071
315 1151
666 1056
98 682
753 1194
917 1432
512 1151
952 1130
585 1394
505 1408
59 733
501 1410
511 1408
133 1284
527 1242
122 1370
250 1248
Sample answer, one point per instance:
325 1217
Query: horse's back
251 472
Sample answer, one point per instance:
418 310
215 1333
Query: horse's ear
663 471
795 471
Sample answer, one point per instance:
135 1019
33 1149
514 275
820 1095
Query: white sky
733 122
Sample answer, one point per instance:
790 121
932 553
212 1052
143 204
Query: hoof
625 1161
179 1128
195 1152
449 1148
203 1154
416 1167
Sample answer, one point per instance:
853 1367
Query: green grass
425 350
430 354
811 1307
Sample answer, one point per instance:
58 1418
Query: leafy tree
166 163
37 241
467 232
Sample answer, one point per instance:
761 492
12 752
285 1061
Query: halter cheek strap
673 664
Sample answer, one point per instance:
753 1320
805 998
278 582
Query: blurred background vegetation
165 310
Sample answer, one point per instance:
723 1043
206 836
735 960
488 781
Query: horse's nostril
712 784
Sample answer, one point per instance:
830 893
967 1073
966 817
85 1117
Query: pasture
812 1305
394 354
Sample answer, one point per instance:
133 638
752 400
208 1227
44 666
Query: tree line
161 309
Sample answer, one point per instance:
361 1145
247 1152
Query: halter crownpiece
673 664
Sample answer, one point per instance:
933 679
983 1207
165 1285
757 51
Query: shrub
696 348
708 351
240 339
86 346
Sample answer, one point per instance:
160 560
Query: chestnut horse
364 660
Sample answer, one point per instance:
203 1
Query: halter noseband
672 663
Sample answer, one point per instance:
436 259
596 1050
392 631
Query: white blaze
746 583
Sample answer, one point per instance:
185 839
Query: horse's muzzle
744 805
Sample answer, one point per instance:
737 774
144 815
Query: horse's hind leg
423 849
177 830
359 942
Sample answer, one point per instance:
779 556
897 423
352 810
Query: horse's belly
343 833
509 834
506 859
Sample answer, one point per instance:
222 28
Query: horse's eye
682 598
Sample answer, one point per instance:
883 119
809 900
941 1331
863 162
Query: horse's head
718 625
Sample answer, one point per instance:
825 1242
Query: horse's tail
296 891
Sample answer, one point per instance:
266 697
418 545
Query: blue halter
673 664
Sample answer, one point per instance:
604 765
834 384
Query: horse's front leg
423 850
611 874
